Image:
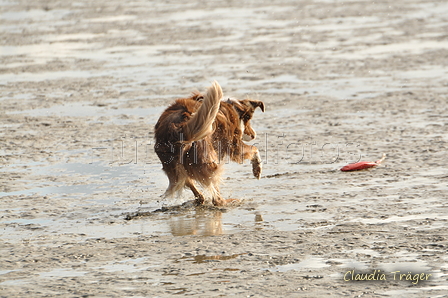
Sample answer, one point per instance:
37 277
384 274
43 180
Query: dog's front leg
256 163
252 153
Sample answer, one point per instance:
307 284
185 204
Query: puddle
350 264
86 109
269 216
35 14
122 18
61 273
418 291
92 178
146 63
100 186
68 190
412 217
140 62
434 72
15 282
381 51
341 89
6 271
405 267
198 223
80 227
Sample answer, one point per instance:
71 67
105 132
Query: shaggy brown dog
195 134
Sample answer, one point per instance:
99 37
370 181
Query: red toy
362 165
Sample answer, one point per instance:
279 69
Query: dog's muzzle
248 138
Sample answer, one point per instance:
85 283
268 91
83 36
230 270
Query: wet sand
82 85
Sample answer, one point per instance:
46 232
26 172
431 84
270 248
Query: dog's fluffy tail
201 123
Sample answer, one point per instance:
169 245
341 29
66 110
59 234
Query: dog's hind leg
177 180
200 199
173 188
217 200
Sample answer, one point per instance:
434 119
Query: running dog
194 135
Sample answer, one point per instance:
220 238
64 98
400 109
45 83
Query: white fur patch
246 138
242 126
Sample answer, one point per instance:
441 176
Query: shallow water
83 84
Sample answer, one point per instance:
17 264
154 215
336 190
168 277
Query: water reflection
199 222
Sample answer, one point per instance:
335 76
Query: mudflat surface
82 84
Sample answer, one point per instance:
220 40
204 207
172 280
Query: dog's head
246 109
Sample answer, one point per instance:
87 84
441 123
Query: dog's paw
256 165
256 169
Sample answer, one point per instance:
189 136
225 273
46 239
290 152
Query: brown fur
194 136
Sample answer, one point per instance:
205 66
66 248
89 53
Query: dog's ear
196 95
257 104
